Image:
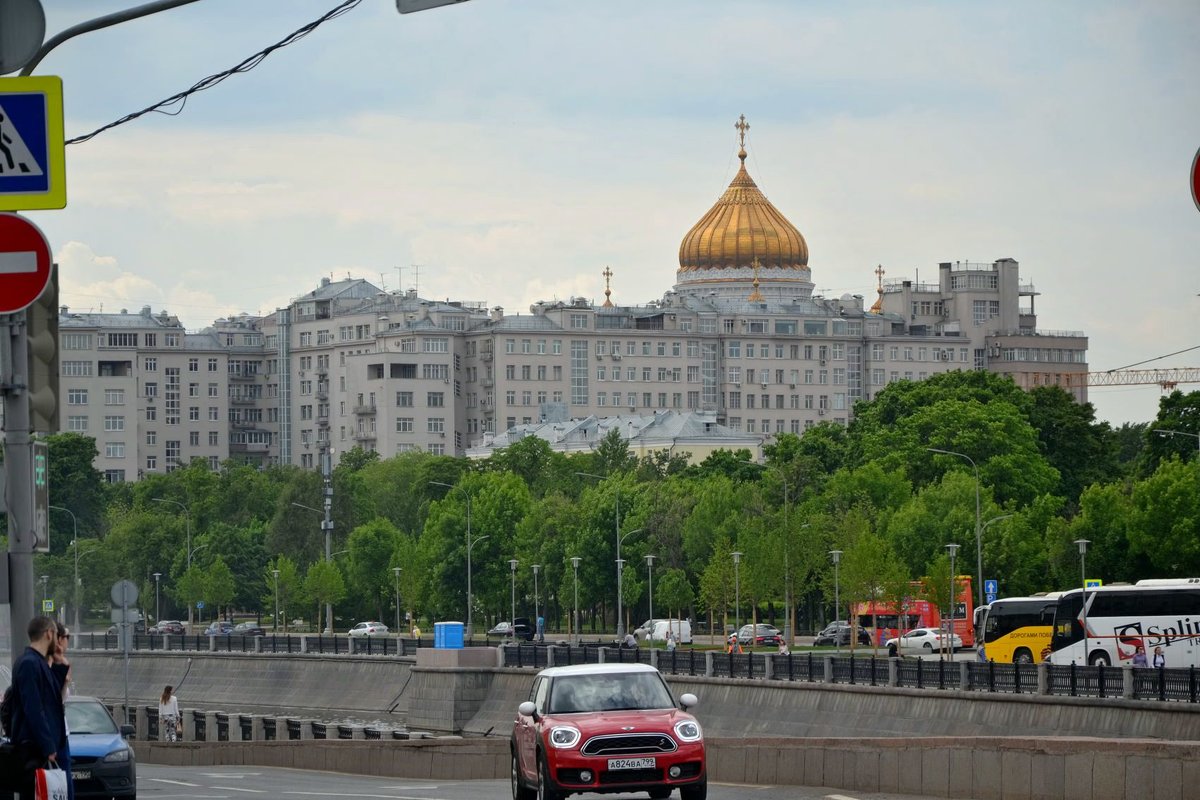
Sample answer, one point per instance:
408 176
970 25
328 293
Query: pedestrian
416 631
61 667
39 732
783 648
734 645
670 640
1160 660
1139 657
630 642
169 723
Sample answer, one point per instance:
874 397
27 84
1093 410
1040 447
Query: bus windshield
1018 630
1067 628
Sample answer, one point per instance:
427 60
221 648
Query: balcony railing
365 410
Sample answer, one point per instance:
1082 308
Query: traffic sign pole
18 464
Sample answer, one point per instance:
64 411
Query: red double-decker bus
885 621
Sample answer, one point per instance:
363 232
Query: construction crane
1167 379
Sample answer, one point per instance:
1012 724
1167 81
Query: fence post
141 723
601 655
1128 687
306 729
829 670
708 663
893 672
1162 683
1043 678
189 725
964 676
211 732
654 657
551 655
768 666
256 728
303 643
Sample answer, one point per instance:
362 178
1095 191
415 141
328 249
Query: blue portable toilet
448 635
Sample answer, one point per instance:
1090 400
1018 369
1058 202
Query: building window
579 322
77 423
214 438
76 369
435 399
77 397
122 340
404 424
436 425
114 423
150 364
76 341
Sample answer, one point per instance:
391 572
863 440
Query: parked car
523 628
172 627
138 628
248 629
369 629
102 762
762 634
573 735
501 629
838 634
922 641
656 630
219 628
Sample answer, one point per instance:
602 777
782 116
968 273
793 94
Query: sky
513 149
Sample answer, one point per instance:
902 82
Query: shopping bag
50 784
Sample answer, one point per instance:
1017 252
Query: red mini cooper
606 728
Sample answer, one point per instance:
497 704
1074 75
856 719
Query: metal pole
512 619
953 548
327 522
275 625
575 614
1083 544
617 529
157 602
650 590
18 465
737 593
396 572
536 627
978 526
187 516
470 544
837 600
75 544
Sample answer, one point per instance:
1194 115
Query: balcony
322 395
241 400
239 375
364 436
323 422
488 383
487 357
364 411
248 447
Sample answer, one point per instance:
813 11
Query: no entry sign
24 263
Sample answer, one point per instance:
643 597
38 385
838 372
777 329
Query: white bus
1152 613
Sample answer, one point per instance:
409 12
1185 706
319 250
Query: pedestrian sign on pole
47 606
1093 583
32 147
200 604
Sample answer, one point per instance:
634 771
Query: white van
655 630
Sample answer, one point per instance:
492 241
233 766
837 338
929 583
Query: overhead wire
180 99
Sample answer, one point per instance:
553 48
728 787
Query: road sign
1196 180
123 593
32 147
47 606
1093 583
24 262
990 597
200 604
991 587
22 31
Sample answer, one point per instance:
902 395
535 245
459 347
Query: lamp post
187 516
617 533
650 590
275 624
1083 544
575 613
788 616
978 527
470 546
953 548
512 620
75 544
1168 433
837 598
157 601
396 572
45 589
537 628
737 593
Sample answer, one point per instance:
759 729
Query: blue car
102 762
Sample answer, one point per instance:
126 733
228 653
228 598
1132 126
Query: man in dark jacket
39 730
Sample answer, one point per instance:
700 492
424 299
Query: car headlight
118 755
564 736
688 730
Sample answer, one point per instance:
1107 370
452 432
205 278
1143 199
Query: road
215 783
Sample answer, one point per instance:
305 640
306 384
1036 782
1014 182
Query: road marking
237 789
230 774
839 797
368 796
176 783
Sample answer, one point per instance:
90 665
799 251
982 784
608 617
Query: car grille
629 744
631 776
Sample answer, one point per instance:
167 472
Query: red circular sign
24 263
1196 180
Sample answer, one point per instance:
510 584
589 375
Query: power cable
1156 358
180 99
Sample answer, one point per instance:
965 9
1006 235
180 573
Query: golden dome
743 226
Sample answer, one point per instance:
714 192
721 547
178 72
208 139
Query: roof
596 669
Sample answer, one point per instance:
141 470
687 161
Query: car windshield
570 694
89 717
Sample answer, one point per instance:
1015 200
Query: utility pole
18 464
327 522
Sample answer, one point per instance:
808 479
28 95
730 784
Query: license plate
81 774
631 763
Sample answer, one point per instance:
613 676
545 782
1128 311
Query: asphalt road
216 783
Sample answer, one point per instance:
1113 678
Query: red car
606 728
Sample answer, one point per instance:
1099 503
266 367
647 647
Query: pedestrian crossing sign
32 150
48 606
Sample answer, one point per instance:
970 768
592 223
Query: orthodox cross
742 126
607 288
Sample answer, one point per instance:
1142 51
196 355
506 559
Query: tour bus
889 622
1152 613
1016 629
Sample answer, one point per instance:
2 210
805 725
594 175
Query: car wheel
519 790
1099 660
697 791
928 646
1022 656
546 789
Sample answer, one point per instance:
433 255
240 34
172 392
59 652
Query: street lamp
737 594
396 572
650 590
187 516
1083 543
953 548
512 620
617 533
275 623
978 527
157 601
575 614
75 544
1168 433
837 599
536 619
470 546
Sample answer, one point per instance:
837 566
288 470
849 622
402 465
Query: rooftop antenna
400 279
417 278
382 282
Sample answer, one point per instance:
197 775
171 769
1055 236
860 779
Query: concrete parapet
210 726
141 722
257 733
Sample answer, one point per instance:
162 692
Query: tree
870 573
1082 450
1176 412
357 458
323 584
75 484
219 585
613 456
1165 523
674 592
369 572
716 582
289 585
190 587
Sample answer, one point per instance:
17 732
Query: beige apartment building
741 339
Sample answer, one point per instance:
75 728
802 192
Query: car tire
546 790
519 790
928 646
1022 656
698 791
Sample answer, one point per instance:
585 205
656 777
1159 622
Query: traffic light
41 327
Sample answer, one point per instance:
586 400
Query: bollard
964 676
708 663
306 729
1043 678
303 643
551 655
256 728
211 734
258 644
829 669
768 666
602 655
654 657
893 672
212 644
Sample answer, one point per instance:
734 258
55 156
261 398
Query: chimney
62 310
324 281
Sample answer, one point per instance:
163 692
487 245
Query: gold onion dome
741 227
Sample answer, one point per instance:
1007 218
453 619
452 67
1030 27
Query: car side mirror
127 730
527 709
688 701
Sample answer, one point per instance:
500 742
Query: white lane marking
414 788
176 783
238 789
350 794
839 797
229 774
